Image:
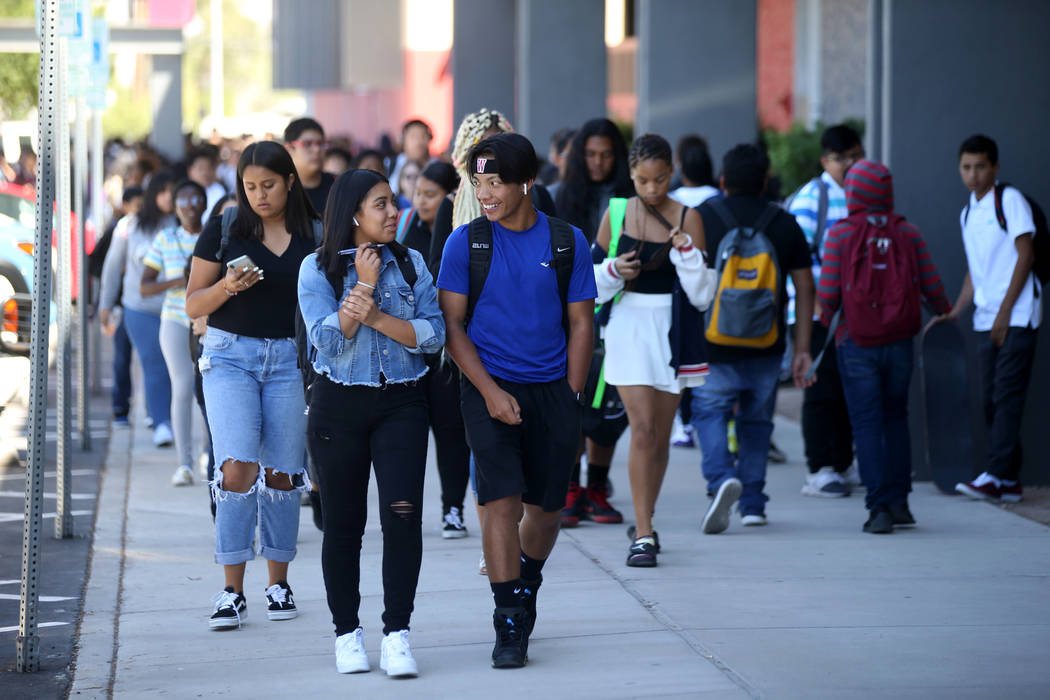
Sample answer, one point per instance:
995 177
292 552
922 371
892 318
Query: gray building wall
483 58
696 70
561 65
953 68
844 29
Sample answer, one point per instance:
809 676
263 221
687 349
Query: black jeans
826 428
441 386
1004 384
351 428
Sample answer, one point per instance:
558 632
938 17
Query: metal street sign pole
27 652
63 509
97 213
79 180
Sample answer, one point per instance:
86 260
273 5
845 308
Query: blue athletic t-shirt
516 325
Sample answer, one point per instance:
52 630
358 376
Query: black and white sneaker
279 603
230 610
453 521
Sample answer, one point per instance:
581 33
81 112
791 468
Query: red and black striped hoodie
869 190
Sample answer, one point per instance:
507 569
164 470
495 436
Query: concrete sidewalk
808 607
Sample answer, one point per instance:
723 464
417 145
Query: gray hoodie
124 263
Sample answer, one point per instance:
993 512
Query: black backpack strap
563 250
822 215
766 218
1000 215
479 235
723 213
227 224
408 268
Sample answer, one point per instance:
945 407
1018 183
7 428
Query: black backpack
563 249
1040 237
304 352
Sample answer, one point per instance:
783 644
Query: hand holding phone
241 274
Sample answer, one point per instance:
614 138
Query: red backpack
880 280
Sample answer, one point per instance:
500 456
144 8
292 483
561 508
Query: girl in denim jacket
367 407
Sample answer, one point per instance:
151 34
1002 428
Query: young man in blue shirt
524 359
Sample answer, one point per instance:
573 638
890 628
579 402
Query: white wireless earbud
355 222
524 189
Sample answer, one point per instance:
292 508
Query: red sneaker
987 491
1012 494
575 506
598 508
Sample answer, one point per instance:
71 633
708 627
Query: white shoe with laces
162 436
230 610
396 655
350 656
183 476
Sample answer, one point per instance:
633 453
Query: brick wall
776 62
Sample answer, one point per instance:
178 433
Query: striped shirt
805 207
169 255
869 189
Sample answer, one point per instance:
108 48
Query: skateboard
945 405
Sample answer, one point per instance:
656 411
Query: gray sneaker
716 519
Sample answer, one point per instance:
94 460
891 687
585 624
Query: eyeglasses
309 143
191 201
847 158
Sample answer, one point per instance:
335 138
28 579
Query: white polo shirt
992 256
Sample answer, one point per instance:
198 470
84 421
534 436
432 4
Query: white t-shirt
992 256
693 196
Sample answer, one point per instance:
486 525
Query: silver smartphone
241 264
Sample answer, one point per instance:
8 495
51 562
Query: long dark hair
344 199
298 212
577 195
150 216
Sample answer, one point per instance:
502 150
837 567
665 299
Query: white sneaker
826 483
202 467
350 656
453 528
396 655
852 477
183 476
753 520
716 519
162 436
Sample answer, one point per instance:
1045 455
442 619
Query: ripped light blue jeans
253 392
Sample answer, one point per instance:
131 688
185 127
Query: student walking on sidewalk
370 316
874 268
524 353
244 275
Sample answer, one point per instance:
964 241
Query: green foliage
20 71
627 131
128 117
18 88
794 154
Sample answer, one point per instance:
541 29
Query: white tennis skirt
637 349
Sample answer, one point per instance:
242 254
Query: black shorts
605 425
534 458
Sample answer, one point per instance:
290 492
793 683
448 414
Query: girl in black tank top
637 346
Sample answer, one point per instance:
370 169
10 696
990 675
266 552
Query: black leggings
351 428
441 385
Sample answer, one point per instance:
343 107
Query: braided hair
466 208
649 147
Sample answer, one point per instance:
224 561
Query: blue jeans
752 384
254 397
875 381
121 397
144 332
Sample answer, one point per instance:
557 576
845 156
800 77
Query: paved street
808 607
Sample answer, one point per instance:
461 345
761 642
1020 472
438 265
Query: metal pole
79 180
217 106
98 218
63 507
27 651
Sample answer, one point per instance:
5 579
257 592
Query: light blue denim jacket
359 360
